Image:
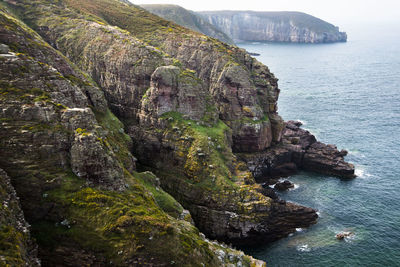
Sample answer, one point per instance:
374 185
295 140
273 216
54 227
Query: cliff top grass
188 19
132 18
176 14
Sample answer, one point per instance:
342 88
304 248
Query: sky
334 11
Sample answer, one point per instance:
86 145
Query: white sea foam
350 238
355 153
361 172
302 122
294 188
303 248
299 229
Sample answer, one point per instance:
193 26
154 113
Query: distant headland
292 27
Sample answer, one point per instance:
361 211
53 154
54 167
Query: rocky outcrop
188 19
172 90
299 150
17 247
69 161
294 27
282 186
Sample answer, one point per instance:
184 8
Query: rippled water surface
347 94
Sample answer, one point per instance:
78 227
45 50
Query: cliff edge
294 27
188 19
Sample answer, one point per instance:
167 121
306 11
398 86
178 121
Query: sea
347 94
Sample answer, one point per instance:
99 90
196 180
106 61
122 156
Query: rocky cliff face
188 104
292 27
17 247
68 159
188 19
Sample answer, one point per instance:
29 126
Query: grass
136 20
120 226
165 201
205 151
116 138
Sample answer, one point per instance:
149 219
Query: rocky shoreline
299 150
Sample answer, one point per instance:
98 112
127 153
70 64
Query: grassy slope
187 19
135 19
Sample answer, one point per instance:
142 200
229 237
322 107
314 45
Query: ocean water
347 94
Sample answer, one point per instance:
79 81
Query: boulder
285 185
342 235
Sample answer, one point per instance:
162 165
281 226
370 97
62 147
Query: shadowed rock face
299 150
294 27
17 248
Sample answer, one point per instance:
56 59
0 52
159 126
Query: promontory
128 140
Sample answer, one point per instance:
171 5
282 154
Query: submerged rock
282 186
342 235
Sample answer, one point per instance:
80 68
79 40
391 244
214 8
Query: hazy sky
334 11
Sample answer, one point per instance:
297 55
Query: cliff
69 160
188 19
95 95
293 27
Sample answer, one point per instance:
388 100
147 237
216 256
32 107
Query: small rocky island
128 140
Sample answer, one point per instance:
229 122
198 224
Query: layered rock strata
294 27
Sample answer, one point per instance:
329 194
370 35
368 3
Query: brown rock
342 235
282 186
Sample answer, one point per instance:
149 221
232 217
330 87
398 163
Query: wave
356 153
303 248
294 188
361 172
302 122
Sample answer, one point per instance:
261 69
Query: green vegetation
204 150
12 242
165 201
120 225
187 19
127 16
117 140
